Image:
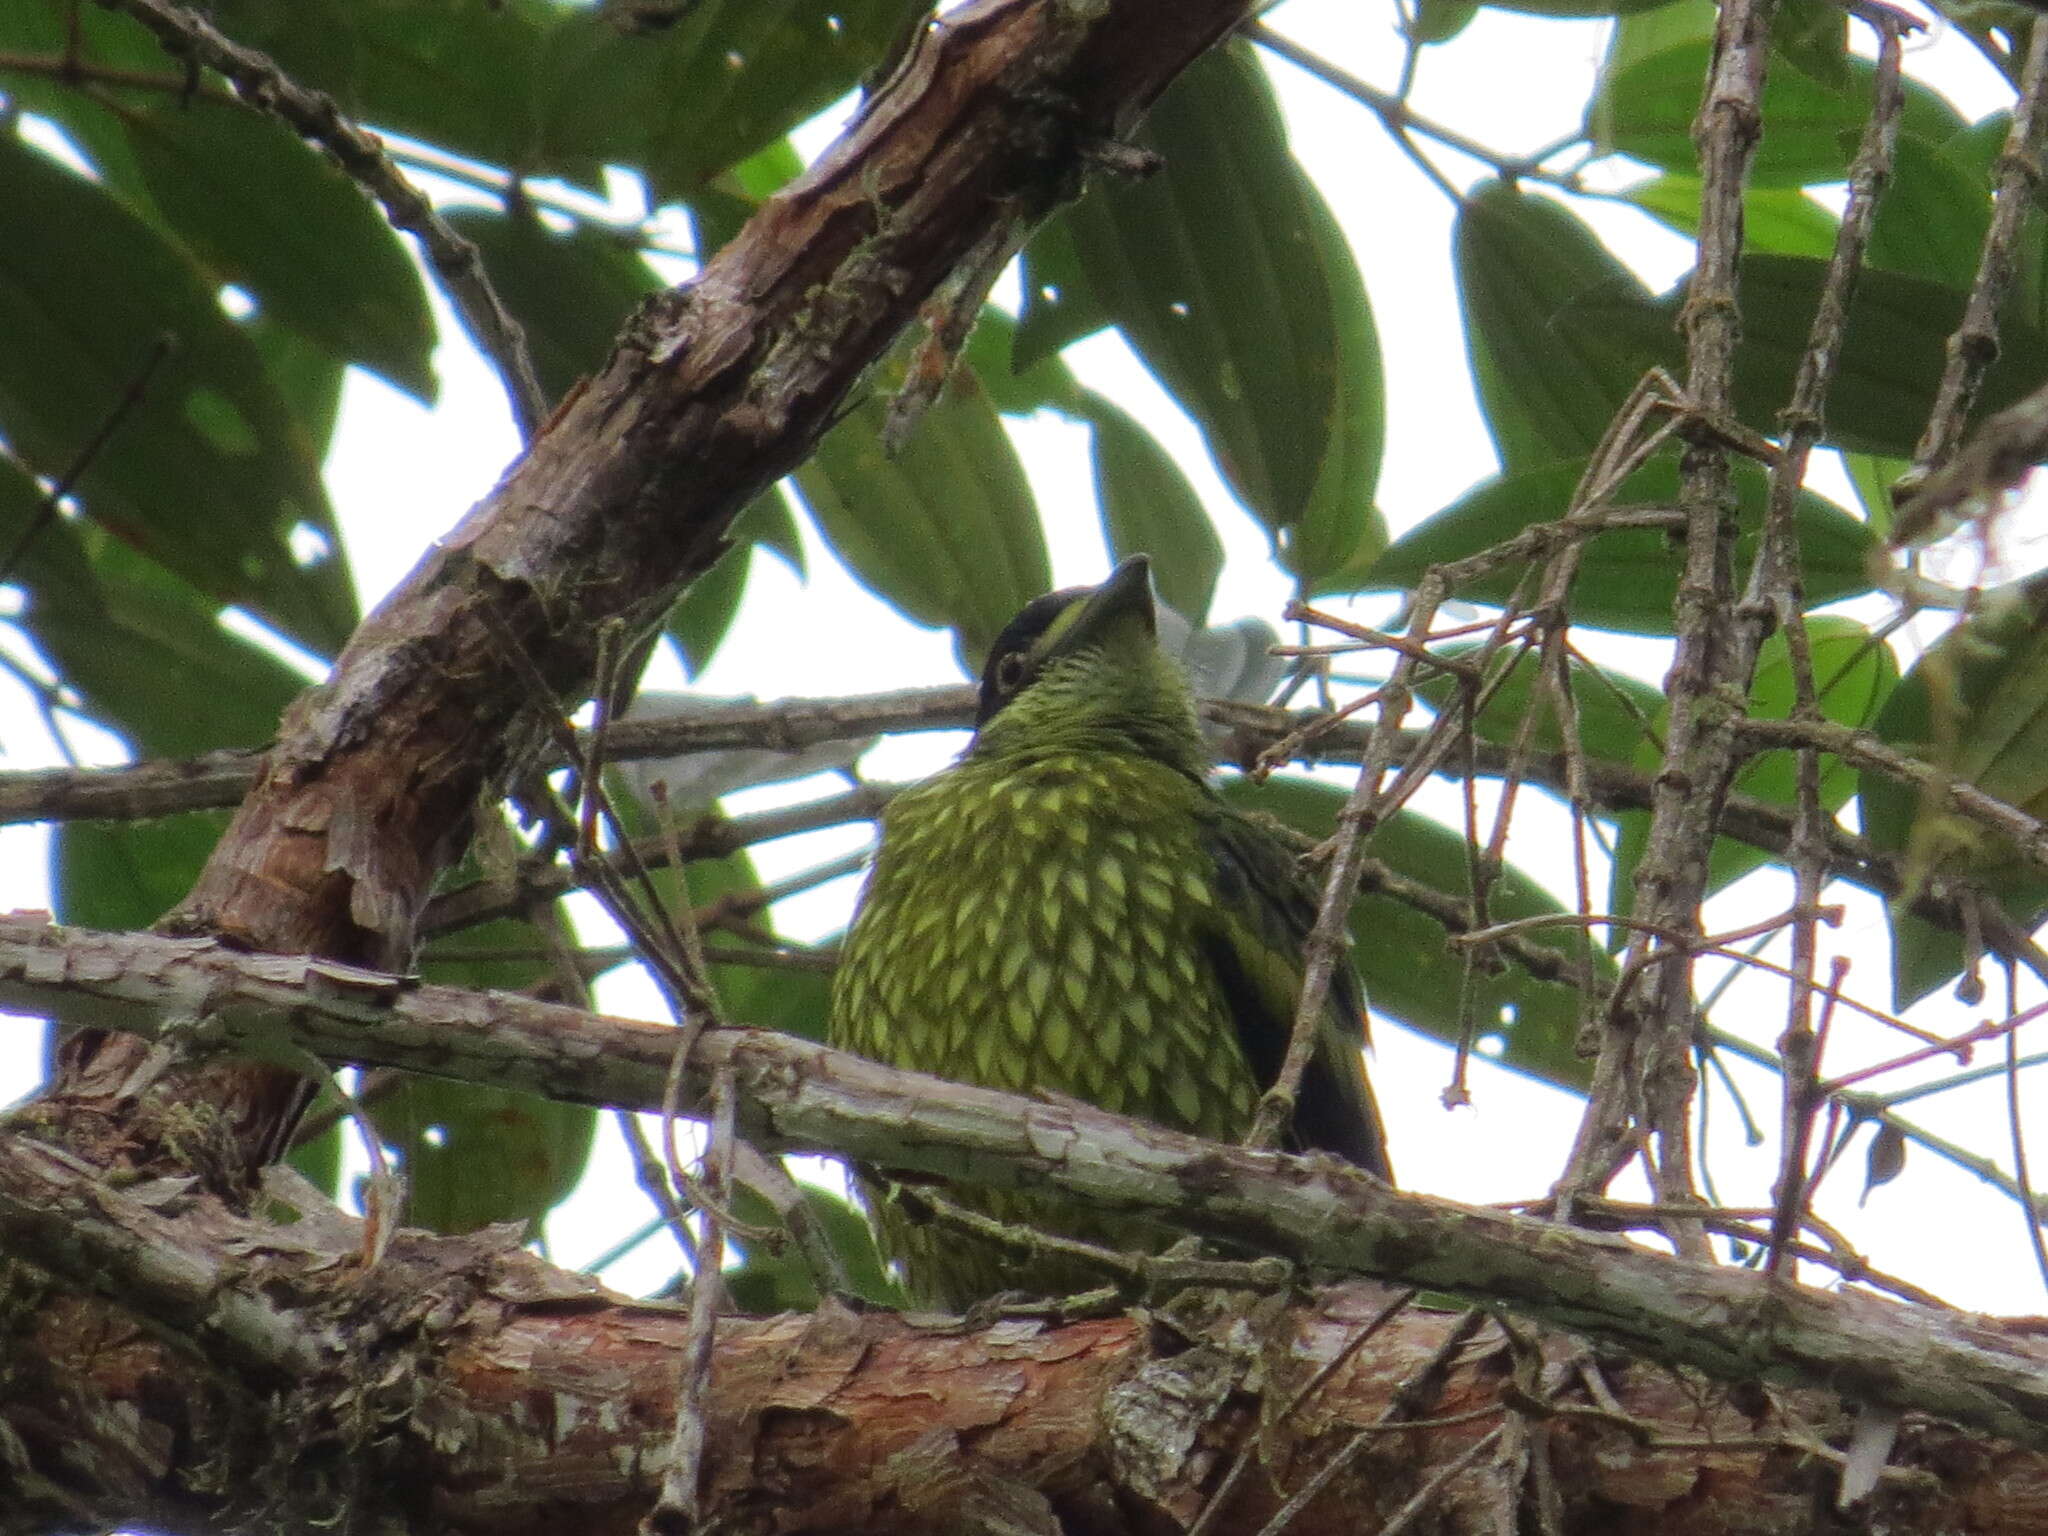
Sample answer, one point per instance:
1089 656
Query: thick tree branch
1729 1324
715 391
462 1386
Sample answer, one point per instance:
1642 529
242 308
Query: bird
1070 910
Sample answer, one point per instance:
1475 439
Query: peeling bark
461 1385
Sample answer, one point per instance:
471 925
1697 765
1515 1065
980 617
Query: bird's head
1081 670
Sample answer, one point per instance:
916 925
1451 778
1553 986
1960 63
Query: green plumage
1071 910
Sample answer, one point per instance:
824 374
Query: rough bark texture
716 390
1729 1324
461 1385
171 1363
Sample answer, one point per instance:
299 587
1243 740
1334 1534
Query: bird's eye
1010 672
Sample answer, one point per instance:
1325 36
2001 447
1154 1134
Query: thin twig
313 114
1973 346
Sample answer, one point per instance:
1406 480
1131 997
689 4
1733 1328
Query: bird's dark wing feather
1267 910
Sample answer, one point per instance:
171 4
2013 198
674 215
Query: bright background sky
401 475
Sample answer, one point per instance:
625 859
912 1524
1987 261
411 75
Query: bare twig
49 503
267 88
1974 345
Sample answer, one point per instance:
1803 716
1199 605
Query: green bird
1071 910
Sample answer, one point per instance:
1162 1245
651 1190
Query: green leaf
572 292
1149 507
1776 219
143 653
702 615
1892 353
1059 306
1813 36
1014 387
1975 152
1628 578
123 875
1438 21
307 376
208 472
1976 705
1853 674
1342 532
263 210
738 74
1524 1024
946 530
1616 714
768 1280
1550 373
475 1155
470 77
1650 92
1931 219
1874 476
1216 270
1575 8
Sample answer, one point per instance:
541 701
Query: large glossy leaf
1149 507
1628 579
1650 92
1977 705
946 530
1015 387
1522 1023
1975 152
264 211
208 472
571 292
1219 273
1575 8
1873 477
124 875
1537 289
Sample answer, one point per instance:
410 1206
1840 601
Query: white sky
401 475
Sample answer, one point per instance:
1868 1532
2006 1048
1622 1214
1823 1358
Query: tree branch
716 390
1728 1324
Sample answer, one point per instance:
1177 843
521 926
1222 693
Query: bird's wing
1266 911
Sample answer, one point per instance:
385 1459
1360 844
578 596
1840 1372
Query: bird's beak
1122 602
